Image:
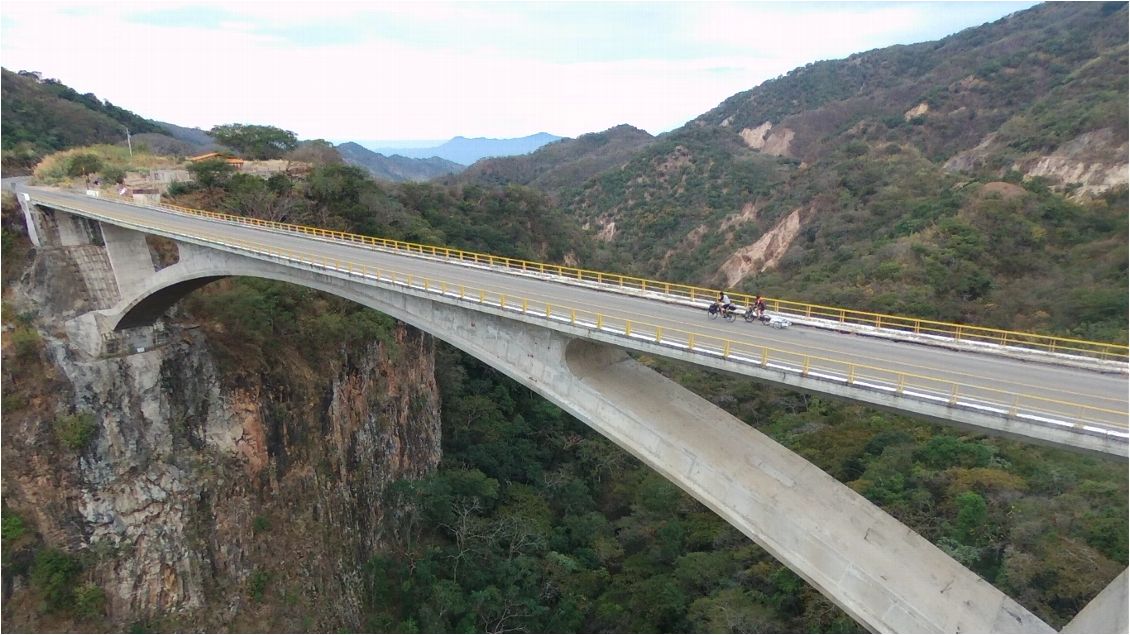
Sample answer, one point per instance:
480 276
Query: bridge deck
1060 392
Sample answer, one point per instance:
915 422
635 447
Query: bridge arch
850 550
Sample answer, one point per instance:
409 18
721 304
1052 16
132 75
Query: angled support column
880 572
129 258
1109 612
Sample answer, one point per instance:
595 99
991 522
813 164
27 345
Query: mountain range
396 167
466 151
562 163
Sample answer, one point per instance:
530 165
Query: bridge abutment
111 262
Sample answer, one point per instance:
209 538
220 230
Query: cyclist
759 306
723 302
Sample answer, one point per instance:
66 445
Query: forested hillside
980 178
44 116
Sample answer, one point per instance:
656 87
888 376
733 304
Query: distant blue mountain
396 168
466 151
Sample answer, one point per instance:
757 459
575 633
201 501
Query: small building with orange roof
235 162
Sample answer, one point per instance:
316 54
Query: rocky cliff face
200 498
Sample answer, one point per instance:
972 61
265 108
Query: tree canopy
255 142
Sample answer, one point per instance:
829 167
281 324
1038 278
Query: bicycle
728 313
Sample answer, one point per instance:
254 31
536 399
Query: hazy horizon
397 144
381 145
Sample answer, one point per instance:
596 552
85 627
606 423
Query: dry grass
52 170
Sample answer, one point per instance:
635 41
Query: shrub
11 527
76 431
180 188
258 583
90 601
214 172
113 174
260 523
54 575
26 343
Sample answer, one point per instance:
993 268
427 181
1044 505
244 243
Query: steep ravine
203 495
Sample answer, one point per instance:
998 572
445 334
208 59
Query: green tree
215 172
83 164
54 575
972 516
255 142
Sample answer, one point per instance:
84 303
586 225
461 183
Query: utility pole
129 142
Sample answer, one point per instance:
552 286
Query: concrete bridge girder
879 571
201 264
968 413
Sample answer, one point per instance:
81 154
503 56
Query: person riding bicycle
723 302
759 306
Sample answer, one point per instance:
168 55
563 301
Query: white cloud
381 89
817 32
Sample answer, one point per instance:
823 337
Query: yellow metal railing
909 385
959 332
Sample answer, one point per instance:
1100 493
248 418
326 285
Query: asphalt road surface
984 376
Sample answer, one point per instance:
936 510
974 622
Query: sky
431 71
